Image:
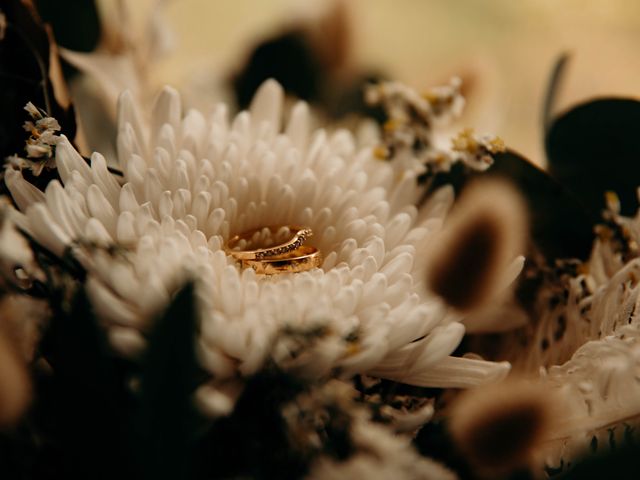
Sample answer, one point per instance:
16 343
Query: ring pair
288 256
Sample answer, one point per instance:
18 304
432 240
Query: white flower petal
129 119
298 126
166 109
457 372
46 230
22 191
266 106
68 214
104 179
68 160
101 209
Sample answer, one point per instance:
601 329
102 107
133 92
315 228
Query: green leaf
594 148
167 418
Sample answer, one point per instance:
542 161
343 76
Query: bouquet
316 276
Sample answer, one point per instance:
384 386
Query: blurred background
503 50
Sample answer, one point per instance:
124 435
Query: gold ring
301 259
298 238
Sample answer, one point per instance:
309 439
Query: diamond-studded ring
239 245
300 259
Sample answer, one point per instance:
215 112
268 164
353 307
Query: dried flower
477 151
382 456
601 380
40 146
499 427
373 452
43 136
483 236
583 336
408 135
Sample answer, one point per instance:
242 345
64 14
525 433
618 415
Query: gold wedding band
300 234
302 258
291 256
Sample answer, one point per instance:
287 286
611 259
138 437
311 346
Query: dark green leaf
17 453
76 335
560 226
620 464
168 420
434 441
86 401
253 441
594 148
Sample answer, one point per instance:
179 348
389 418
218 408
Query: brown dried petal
499 427
483 235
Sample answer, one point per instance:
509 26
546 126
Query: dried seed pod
484 233
499 427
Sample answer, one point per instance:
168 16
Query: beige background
508 46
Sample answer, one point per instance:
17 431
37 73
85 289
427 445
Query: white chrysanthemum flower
191 182
382 455
375 452
588 344
602 380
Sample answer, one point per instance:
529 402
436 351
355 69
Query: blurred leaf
434 441
24 77
347 97
167 418
253 441
288 58
594 148
17 454
87 400
560 225
619 464
457 176
75 23
309 66
75 336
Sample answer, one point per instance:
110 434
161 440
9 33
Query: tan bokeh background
507 47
